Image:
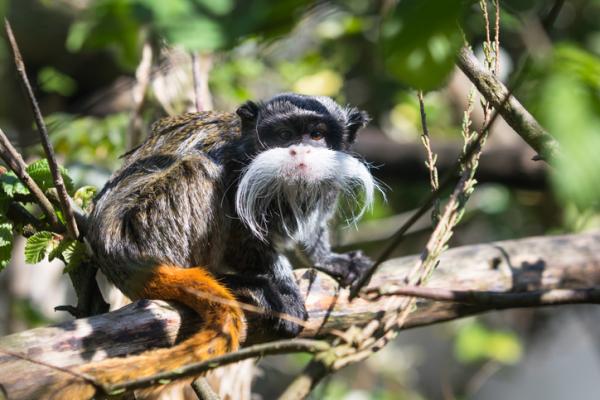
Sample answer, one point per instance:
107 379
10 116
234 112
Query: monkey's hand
280 303
346 268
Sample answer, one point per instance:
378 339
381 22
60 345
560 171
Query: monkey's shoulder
206 131
193 121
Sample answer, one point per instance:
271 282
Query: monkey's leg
275 291
346 268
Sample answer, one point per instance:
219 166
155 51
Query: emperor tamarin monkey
202 210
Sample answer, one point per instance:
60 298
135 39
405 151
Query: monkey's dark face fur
301 164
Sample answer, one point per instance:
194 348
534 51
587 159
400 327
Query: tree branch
512 111
496 300
517 266
65 206
15 162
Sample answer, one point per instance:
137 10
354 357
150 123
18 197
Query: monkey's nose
299 150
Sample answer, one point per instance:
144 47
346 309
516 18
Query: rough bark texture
531 264
512 111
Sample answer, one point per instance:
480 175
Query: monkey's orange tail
223 327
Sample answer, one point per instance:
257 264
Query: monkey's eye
285 134
316 135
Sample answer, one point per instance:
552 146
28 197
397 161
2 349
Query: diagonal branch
41 125
512 110
15 162
494 299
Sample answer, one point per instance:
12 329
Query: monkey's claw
346 268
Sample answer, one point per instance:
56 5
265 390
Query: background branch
526 265
512 110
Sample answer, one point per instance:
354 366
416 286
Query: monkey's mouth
299 189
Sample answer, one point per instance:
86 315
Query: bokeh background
89 60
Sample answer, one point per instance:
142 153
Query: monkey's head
301 163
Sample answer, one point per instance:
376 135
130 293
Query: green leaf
421 39
11 185
57 252
74 255
38 245
40 173
6 241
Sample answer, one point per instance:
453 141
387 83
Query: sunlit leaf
40 173
74 255
38 245
6 241
11 185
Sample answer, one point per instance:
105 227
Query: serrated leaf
40 173
6 234
60 248
5 254
6 240
84 195
74 255
38 245
11 185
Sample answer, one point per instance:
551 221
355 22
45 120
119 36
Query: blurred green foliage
474 343
197 25
95 140
421 39
569 104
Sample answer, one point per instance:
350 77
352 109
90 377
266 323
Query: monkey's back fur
158 207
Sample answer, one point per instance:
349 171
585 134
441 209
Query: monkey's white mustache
275 184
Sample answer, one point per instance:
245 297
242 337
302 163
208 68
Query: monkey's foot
346 268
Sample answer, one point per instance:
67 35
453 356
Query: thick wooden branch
526 265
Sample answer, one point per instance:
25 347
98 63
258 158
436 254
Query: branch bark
516 266
512 111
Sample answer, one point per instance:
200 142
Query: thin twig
398 236
203 390
259 350
510 108
247 307
494 299
41 125
24 357
15 162
431 158
497 38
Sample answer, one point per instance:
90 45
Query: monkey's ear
356 119
248 111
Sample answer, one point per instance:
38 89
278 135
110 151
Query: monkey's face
301 164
